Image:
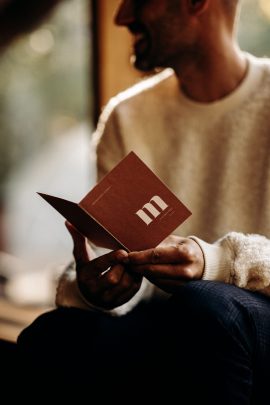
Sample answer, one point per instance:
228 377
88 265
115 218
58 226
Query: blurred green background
254 27
44 86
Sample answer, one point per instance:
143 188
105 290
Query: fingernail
125 260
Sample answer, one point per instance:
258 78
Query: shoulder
262 94
263 62
151 85
260 64
144 90
259 79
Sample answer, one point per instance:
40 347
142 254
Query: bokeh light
42 41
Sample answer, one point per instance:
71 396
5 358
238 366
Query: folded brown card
130 208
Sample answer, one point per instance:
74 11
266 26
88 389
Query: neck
212 76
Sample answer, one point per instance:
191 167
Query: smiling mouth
141 38
141 43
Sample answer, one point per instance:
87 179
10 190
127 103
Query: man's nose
125 13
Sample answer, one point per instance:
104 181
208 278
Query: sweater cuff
218 260
68 294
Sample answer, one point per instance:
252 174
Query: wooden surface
13 318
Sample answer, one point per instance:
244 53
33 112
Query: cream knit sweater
215 157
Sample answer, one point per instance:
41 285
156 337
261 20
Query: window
254 27
45 127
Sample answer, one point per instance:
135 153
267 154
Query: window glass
45 127
254 27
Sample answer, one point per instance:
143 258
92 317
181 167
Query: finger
162 255
124 288
99 283
104 262
126 295
112 277
76 235
165 271
80 252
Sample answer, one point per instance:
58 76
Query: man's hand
174 262
103 281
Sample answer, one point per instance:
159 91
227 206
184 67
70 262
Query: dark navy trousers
209 343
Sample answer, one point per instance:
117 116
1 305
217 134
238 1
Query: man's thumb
80 252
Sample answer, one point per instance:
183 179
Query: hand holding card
129 208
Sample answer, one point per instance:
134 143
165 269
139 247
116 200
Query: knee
56 342
55 332
212 304
204 297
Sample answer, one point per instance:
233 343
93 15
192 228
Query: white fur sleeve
69 295
243 260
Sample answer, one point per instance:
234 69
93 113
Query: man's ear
197 7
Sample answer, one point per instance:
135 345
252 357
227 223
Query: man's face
161 30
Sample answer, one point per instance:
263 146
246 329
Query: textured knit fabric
213 156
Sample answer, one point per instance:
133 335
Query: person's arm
243 260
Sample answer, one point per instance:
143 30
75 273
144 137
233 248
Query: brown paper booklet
129 208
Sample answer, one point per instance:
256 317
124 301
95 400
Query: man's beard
143 65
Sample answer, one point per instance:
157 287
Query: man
203 128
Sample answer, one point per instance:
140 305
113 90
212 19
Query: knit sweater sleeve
240 259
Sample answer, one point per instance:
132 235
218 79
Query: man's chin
142 64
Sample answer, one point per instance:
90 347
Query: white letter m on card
149 211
